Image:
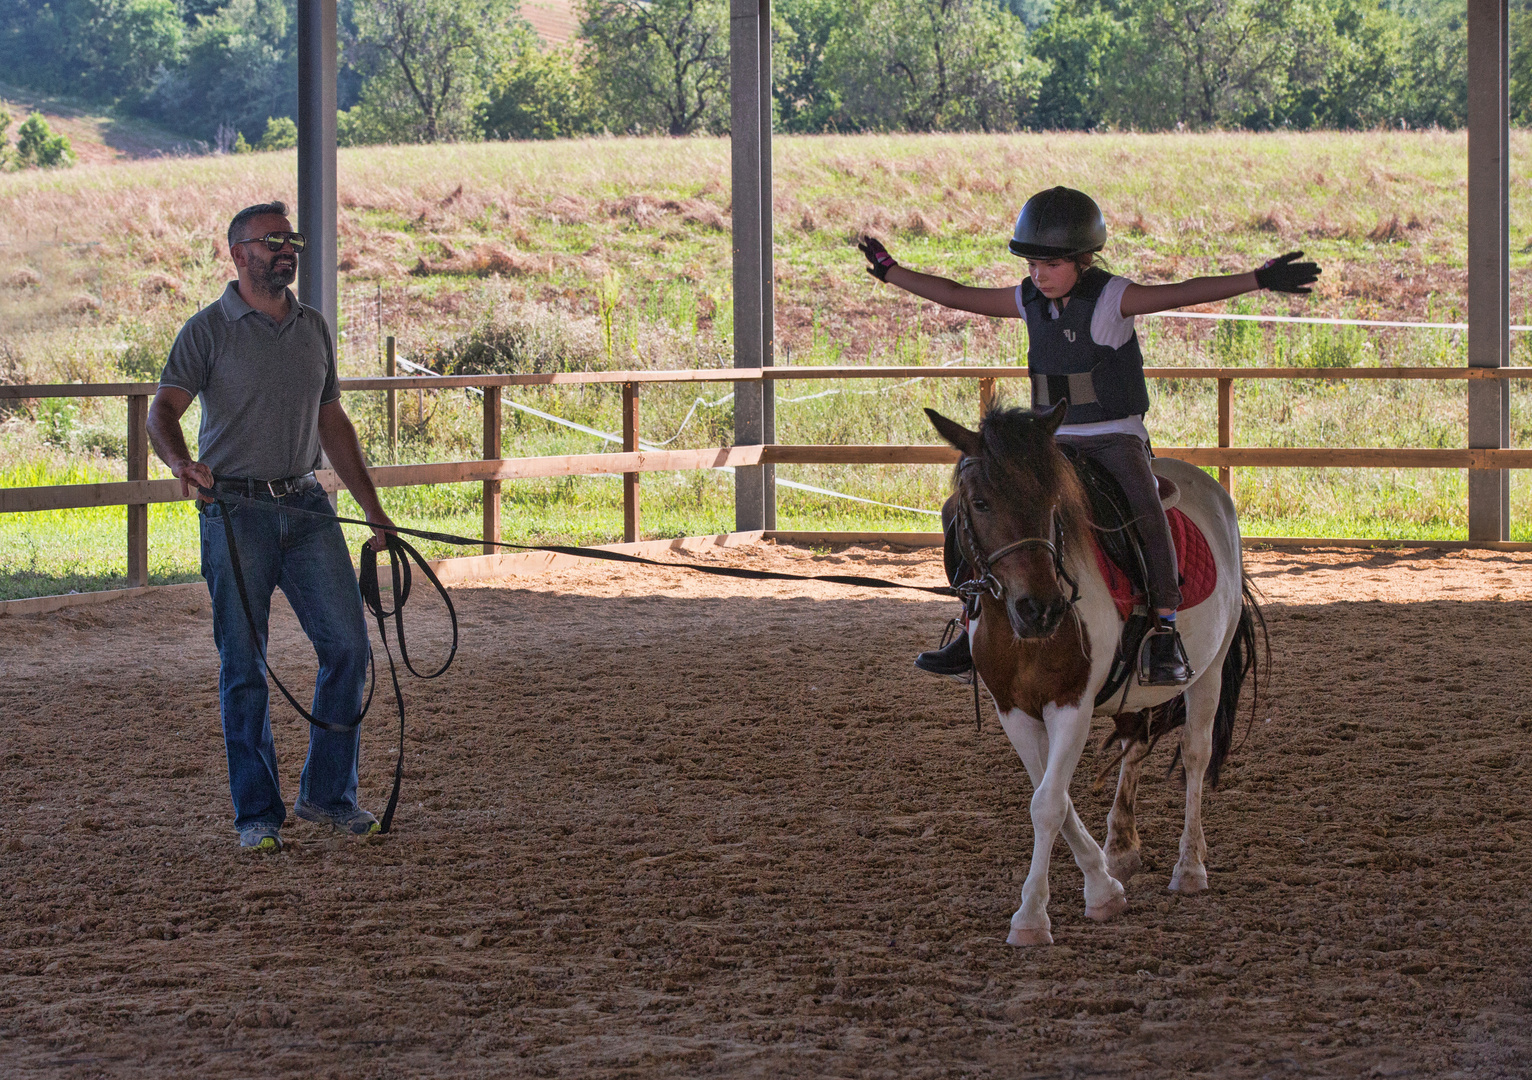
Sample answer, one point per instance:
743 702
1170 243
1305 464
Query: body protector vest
1100 382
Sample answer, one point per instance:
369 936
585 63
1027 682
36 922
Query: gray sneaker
356 821
262 838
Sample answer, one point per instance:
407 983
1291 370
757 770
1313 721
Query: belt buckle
271 486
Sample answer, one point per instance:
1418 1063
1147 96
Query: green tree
927 65
36 144
100 49
1521 62
430 63
805 99
1430 86
1342 70
539 95
240 68
1077 46
1204 63
659 65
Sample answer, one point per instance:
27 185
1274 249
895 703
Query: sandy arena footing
662 824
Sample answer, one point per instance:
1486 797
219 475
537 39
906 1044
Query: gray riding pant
1127 458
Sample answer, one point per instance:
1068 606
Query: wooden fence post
630 510
138 469
391 368
492 417
1225 429
986 396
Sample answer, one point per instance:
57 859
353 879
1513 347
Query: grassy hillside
98 136
615 253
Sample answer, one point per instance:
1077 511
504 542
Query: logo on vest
1069 335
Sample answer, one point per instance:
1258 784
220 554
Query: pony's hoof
1022 937
1189 881
1123 865
1109 910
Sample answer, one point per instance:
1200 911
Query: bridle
984 579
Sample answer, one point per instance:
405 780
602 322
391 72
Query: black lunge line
400 551
854 580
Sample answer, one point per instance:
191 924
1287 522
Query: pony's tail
1241 661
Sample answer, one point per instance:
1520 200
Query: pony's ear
1054 417
955 433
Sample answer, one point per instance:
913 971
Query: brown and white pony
1046 635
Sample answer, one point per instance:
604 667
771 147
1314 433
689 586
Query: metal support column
1489 340
745 152
768 274
317 60
316 156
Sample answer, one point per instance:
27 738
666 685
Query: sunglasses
275 240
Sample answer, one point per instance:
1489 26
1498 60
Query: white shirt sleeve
1107 326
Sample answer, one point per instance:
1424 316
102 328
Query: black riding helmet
1057 224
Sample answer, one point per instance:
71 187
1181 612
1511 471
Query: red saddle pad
1199 574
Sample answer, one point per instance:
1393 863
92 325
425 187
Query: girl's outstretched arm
998 302
1147 299
1282 274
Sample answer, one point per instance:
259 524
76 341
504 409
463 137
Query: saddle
1120 558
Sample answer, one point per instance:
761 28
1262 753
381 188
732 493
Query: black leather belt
250 489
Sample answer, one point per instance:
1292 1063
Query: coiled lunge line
401 553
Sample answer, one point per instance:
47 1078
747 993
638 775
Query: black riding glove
1282 274
882 262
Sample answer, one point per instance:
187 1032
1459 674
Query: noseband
984 579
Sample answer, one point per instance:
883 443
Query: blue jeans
307 559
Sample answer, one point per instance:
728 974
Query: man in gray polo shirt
264 368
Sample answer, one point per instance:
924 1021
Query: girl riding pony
1083 348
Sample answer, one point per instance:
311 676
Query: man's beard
275 276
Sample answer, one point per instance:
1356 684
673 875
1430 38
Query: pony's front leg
1191 872
1050 749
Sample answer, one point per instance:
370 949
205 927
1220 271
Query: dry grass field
615 253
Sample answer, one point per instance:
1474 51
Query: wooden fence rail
138 491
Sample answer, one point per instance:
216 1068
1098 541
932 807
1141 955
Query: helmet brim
1042 251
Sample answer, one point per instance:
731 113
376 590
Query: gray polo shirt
261 383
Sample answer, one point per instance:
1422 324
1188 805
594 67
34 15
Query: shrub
37 145
281 134
106 443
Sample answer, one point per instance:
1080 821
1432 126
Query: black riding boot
952 657
1163 661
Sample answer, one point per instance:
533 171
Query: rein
402 553
984 579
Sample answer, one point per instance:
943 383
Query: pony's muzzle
1031 619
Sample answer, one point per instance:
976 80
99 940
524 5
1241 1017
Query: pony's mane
1018 453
